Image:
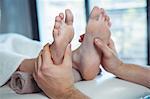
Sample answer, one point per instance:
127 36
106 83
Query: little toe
61 16
107 19
57 18
57 25
109 24
95 13
69 17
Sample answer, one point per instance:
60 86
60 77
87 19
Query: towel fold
23 83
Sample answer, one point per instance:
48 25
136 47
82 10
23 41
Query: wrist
117 68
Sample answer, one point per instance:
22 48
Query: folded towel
23 83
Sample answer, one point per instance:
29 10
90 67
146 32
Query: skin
56 80
63 33
88 61
130 72
43 73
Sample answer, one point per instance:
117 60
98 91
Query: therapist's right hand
110 61
54 80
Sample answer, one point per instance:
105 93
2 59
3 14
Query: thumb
101 46
68 56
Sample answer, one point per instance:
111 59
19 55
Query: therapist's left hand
54 80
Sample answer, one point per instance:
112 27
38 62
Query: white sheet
14 49
103 87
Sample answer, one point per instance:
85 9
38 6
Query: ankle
118 68
56 53
27 65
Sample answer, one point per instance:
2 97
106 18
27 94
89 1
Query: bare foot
86 57
63 33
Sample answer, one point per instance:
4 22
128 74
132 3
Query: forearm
72 93
134 73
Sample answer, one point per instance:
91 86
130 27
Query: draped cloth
14 49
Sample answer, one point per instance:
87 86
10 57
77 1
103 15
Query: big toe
95 13
69 17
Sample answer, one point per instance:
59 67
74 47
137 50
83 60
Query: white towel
14 49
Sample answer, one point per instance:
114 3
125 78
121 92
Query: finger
46 57
112 45
39 64
47 54
35 67
68 56
101 46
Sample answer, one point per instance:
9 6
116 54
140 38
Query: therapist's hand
110 61
54 80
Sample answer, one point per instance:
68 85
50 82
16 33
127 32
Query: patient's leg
27 65
86 57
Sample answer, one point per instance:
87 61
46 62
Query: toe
57 25
109 24
95 13
57 18
102 11
69 17
101 17
55 33
61 15
107 19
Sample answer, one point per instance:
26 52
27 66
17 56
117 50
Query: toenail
97 40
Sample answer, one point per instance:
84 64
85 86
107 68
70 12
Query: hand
54 80
110 61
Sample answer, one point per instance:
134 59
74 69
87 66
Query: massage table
104 86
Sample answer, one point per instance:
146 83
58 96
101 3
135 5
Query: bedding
104 86
14 49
